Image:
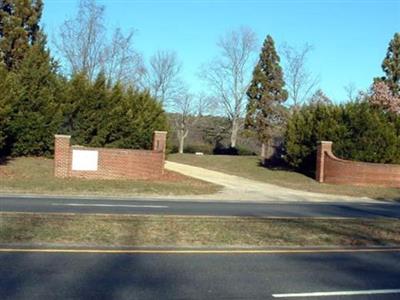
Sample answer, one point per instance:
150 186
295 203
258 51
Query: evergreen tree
8 96
143 114
113 130
391 65
92 110
19 29
76 90
358 132
35 115
265 113
100 116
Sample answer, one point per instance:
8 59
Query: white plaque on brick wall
85 160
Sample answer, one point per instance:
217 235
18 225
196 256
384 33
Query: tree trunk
181 144
263 146
182 134
234 134
267 151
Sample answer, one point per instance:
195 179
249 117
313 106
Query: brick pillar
159 141
322 148
62 155
159 145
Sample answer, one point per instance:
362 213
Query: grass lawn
35 175
123 230
248 166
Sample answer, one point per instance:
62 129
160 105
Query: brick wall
331 169
110 163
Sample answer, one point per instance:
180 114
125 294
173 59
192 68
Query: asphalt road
199 276
294 209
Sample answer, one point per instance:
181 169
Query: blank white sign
85 160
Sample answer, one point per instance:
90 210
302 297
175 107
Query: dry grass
117 230
35 175
249 167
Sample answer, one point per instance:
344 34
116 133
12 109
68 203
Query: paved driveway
239 188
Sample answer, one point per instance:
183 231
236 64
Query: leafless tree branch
300 83
228 75
163 76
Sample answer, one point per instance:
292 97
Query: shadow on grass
4 160
280 165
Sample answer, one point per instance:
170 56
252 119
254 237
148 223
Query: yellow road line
226 251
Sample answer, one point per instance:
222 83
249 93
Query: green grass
181 231
249 167
35 175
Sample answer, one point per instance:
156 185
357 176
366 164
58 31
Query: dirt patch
171 176
5 172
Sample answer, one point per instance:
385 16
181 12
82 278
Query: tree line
37 100
105 94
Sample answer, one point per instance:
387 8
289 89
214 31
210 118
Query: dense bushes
36 103
358 132
6 98
98 115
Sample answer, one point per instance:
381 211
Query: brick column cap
157 131
62 136
325 142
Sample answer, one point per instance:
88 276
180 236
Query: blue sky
350 38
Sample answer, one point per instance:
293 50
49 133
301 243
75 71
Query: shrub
358 132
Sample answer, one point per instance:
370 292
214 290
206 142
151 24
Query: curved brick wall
331 169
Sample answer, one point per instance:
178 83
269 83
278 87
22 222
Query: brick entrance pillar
322 148
62 155
159 141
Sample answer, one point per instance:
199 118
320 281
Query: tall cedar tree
265 112
19 29
35 116
391 65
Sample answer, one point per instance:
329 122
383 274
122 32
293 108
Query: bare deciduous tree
81 39
188 108
82 42
184 107
121 62
164 76
228 75
319 98
300 83
351 91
